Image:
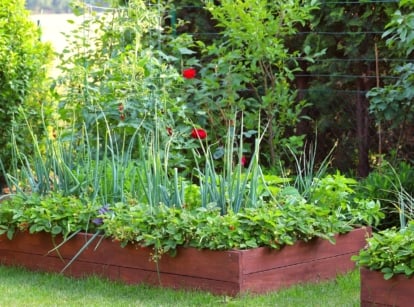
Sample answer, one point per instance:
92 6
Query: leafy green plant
337 193
393 103
114 67
392 185
56 214
165 228
249 68
389 251
231 187
24 63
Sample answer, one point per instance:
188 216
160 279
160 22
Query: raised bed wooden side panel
266 270
222 272
215 271
376 291
303 252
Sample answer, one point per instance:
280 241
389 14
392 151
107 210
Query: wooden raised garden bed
221 272
376 291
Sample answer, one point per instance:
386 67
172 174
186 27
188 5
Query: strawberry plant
390 251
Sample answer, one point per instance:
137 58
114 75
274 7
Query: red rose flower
243 161
169 131
189 73
198 133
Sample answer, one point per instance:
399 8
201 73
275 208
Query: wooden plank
31 261
376 291
188 261
38 243
283 277
303 252
216 271
55 265
137 276
217 265
82 269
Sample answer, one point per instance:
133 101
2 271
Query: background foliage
345 37
24 64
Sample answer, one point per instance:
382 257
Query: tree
337 82
24 61
393 103
250 69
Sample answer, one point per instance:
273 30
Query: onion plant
232 188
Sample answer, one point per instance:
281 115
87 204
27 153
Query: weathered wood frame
376 291
231 272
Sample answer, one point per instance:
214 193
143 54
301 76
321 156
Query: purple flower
102 211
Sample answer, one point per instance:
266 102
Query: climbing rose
198 133
189 73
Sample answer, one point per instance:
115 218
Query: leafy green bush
114 72
392 185
250 68
393 103
337 194
166 228
389 251
56 214
24 61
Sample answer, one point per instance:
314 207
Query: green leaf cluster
115 73
24 63
251 68
55 213
338 194
165 228
390 251
394 103
390 183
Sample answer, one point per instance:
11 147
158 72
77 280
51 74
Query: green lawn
22 288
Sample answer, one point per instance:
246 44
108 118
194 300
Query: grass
19 287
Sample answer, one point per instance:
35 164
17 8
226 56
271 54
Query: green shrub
389 251
389 184
55 213
24 62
